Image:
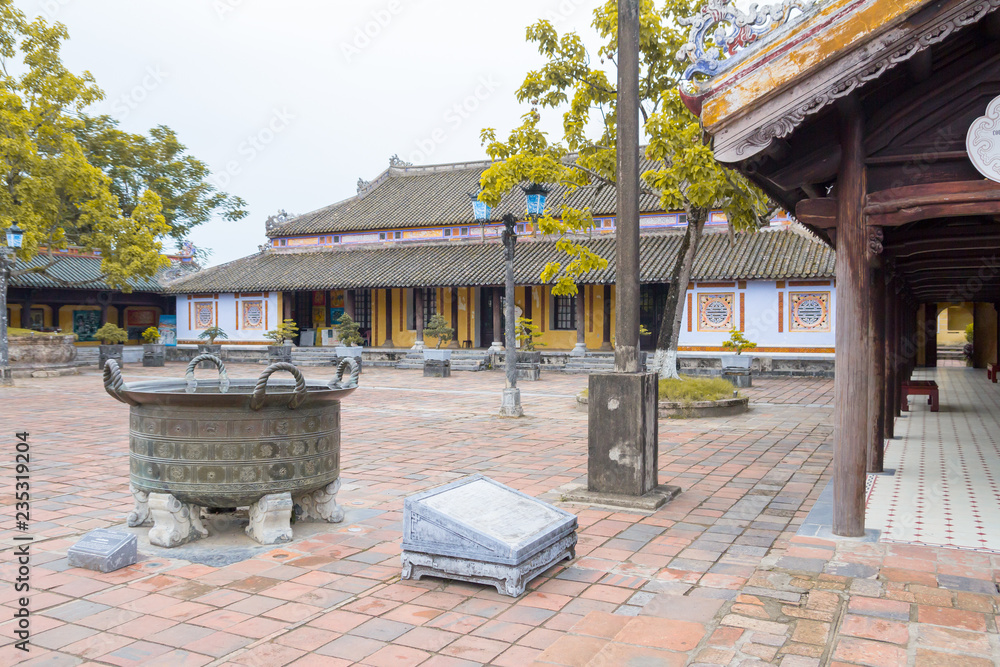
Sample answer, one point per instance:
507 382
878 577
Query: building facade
407 247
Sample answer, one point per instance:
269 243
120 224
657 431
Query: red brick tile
663 633
616 655
875 628
955 618
269 655
396 656
349 647
573 651
477 649
864 652
927 658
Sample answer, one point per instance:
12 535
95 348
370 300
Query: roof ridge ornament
734 30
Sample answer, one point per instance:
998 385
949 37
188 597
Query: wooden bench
991 372
927 388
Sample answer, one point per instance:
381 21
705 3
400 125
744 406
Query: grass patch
691 389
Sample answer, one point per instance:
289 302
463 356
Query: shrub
349 331
527 332
968 334
212 333
737 341
285 330
151 336
111 334
438 327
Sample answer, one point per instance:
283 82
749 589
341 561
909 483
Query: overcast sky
291 102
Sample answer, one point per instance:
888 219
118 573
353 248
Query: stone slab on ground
476 529
104 550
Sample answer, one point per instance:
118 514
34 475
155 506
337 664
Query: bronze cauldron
272 445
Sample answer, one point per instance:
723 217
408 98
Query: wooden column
497 318
454 318
418 313
287 303
349 303
104 314
891 361
853 359
876 382
26 309
930 335
996 307
388 319
606 329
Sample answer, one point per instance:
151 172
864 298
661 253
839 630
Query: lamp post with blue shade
15 239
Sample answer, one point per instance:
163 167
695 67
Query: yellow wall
14 313
66 320
952 320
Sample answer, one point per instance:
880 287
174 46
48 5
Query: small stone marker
104 550
476 529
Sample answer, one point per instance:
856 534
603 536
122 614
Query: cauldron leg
140 515
271 519
174 523
321 504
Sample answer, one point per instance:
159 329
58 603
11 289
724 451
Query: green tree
71 180
136 163
682 172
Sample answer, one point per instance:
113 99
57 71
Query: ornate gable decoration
983 142
733 30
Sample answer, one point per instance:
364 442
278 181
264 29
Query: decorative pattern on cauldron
270 445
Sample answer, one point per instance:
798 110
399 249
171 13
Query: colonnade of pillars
495 296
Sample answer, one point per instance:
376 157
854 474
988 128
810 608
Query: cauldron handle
114 384
338 382
257 400
192 384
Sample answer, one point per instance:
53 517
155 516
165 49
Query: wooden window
564 313
363 308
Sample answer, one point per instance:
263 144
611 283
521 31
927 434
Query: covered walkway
946 486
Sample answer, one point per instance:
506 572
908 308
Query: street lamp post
15 237
535 193
510 405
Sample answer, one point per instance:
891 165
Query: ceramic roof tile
770 254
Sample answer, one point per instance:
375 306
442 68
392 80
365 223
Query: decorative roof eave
828 55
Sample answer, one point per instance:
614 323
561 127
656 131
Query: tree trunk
665 359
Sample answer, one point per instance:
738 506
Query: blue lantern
535 195
15 236
480 209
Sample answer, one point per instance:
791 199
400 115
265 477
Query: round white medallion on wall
983 142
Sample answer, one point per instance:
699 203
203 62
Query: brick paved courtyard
715 577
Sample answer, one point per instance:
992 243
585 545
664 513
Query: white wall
761 317
226 309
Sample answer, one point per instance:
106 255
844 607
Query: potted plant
112 346
349 333
282 336
438 327
737 342
437 362
153 352
529 358
210 334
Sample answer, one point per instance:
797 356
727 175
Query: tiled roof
436 195
73 269
770 254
